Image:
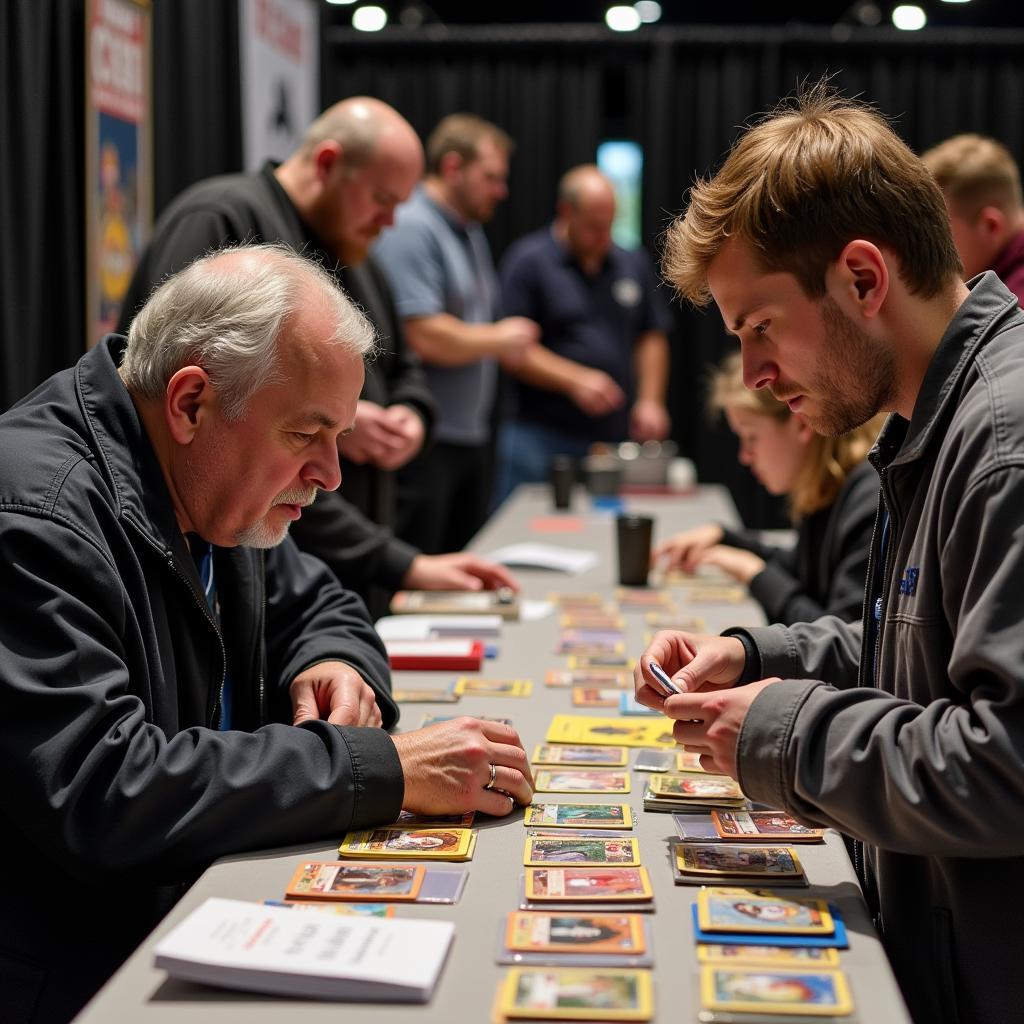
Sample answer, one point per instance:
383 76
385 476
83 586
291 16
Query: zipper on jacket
205 608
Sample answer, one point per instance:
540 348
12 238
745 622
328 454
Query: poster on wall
280 58
119 165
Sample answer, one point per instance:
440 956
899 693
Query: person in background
328 201
826 245
833 494
440 267
601 369
179 682
980 182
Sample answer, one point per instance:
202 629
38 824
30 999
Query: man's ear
991 222
451 164
326 156
189 399
859 278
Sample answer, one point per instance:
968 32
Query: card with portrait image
761 911
579 756
618 934
555 850
796 957
468 687
588 885
566 815
595 780
577 993
322 880
804 993
410 843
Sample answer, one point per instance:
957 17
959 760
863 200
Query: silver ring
490 781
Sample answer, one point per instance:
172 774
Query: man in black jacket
329 200
177 680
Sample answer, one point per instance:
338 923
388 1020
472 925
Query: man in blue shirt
601 369
442 275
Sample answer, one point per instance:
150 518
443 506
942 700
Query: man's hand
335 691
694 661
375 439
739 564
649 420
407 424
595 392
447 766
516 335
458 571
683 551
709 724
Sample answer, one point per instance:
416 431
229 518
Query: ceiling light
372 18
909 17
649 11
622 19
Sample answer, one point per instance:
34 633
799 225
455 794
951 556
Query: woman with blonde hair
832 493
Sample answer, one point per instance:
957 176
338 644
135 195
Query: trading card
596 697
553 780
568 885
751 826
592 619
697 786
746 910
751 990
579 756
343 909
767 956
642 599
332 881
733 859
629 705
566 677
465 686
662 680
424 696
619 661
696 827
655 761
415 843
675 621
715 594
575 933
560 815
612 731
409 820
580 600
687 761
556 524
571 993
434 719
558 850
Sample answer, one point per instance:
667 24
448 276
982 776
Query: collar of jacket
122 447
988 306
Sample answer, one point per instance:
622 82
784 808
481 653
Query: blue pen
661 677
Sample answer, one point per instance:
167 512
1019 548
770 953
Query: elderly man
826 245
178 681
329 200
601 370
442 273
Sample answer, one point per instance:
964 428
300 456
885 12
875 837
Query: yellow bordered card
590 994
772 990
761 911
566 815
409 843
577 756
536 932
797 957
555 850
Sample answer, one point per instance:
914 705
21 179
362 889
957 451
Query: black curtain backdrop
681 93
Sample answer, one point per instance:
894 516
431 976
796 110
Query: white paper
545 556
432 627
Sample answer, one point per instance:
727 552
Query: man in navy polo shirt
601 369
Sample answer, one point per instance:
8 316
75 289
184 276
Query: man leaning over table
826 246
178 682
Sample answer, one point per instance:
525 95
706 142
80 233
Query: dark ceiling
973 14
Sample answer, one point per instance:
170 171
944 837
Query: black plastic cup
563 476
634 542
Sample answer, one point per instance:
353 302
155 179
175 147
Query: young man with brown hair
826 245
981 185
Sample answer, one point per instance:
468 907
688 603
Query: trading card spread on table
621 934
586 780
751 826
467 687
673 620
568 601
619 661
761 911
696 826
591 619
761 990
375 882
655 761
629 705
579 756
642 599
409 843
565 815
596 697
552 850
718 859
610 731
409 820
566 677
582 648
715 595
434 719
588 884
424 696
767 956
342 909
576 993
700 786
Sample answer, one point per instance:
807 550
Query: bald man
329 201
601 369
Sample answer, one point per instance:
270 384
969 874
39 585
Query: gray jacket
927 770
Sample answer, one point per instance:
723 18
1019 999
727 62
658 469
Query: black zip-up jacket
117 786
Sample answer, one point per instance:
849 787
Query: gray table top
140 994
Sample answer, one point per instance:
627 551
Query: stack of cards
553 850
410 843
587 816
624 888
640 599
606 677
575 940
623 732
467 687
693 791
582 780
579 756
760 916
591 994
319 880
758 826
700 863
